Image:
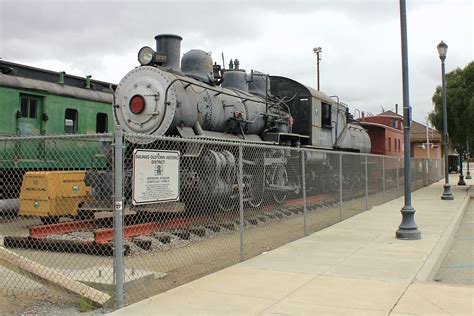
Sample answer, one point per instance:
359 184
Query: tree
459 105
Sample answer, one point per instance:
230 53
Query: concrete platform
356 267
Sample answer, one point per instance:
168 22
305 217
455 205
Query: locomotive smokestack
170 44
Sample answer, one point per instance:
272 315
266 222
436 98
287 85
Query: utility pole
317 51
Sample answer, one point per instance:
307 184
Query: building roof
45 75
390 113
418 130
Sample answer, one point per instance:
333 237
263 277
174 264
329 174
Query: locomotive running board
282 188
188 132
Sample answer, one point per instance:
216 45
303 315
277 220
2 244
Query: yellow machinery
51 194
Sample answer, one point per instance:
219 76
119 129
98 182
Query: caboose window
101 123
70 121
326 115
393 123
28 107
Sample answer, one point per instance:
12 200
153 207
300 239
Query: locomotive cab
323 120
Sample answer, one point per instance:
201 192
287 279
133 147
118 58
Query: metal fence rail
134 215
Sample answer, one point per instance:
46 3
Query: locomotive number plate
155 176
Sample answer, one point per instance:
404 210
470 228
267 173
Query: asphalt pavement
458 266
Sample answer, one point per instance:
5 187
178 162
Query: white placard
155 176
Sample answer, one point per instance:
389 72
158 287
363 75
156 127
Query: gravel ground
26 305
180 260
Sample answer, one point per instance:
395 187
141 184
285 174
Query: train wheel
279 178
253 189
50 220
255 201
226 205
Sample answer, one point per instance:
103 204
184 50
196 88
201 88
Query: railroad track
95 236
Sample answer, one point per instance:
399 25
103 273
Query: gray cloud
360 40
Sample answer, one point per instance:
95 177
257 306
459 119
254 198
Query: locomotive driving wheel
279 179
253 189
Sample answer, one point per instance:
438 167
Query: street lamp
447 194
317 51
468 173
407 228
461 176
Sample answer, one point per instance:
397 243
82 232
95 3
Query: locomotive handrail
189 83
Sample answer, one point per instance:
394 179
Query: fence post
366 185
303 180
241 203
118 217
383 179
340 187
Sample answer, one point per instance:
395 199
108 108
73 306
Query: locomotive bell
197 64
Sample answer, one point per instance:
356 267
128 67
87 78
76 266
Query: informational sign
155 176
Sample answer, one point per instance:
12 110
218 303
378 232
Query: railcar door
29 123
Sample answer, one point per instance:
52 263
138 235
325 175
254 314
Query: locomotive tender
194 98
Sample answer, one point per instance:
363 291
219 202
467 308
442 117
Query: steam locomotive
193 97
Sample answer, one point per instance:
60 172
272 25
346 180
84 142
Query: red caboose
386 134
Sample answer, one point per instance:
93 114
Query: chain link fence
48 213
131 216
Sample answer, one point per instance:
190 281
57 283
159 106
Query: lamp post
407 228
317 51
461 176
447 194
468 173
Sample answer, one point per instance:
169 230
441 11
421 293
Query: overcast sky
360 39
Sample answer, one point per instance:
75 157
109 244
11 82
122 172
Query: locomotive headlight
137 104
145 55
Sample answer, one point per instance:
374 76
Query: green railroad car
41 102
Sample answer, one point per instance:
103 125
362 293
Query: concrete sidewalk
355 267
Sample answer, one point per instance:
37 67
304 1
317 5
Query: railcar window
24 107
70 121
33 107
28 107
326 115
101 123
